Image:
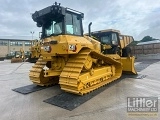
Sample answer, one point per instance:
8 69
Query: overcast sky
132 17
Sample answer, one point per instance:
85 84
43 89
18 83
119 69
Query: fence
146 49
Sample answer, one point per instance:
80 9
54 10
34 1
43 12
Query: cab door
114 39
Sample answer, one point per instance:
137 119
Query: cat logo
72 47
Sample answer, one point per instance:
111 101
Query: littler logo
142 104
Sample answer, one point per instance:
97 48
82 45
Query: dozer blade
16 60
128 65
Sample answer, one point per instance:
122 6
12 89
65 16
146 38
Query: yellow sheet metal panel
121 43
128 65
126 40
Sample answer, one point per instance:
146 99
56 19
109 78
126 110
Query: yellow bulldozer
79 63
19 56
35 50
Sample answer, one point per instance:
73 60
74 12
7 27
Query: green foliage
134 43
147 38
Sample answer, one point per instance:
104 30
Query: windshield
106 39
53 28
68 24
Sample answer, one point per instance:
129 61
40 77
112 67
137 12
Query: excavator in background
19 56
35 51
79 63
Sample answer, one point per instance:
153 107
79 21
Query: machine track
36 74
75 80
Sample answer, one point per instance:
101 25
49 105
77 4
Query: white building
8 46
149 42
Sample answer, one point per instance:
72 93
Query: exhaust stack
89 29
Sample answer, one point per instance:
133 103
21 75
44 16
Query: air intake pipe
89 29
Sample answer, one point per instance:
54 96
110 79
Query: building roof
149 42
15 39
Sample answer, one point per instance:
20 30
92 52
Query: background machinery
113 42
71 59
19 56
35 51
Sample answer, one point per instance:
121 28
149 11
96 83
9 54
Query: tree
134 43
147 38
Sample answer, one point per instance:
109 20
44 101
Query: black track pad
28 89
70 101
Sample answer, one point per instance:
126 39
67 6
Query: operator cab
109 39
56 20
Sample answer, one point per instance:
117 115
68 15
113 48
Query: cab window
105 40
114 39
73 24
